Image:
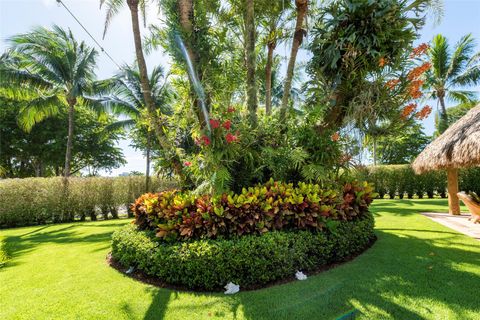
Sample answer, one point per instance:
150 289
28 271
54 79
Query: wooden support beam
452 187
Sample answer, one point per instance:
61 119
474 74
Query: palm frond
461 96
38 110
440 56
112 7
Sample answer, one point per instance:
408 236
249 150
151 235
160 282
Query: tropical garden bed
262 235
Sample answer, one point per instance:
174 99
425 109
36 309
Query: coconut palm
124 96
301 8
137 8
451 71
52 72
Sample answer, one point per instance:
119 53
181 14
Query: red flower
392 83
206 140
420 50
382 62
227 124
231 138
230 109
424 113
214 123
408 110
335 137
187 163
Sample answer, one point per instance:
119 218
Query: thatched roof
457 147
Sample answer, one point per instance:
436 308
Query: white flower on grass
300 275
232 288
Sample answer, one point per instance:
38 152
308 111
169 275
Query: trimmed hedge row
249 261
176 215
34 201
401 181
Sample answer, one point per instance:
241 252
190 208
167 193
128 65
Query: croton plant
273 206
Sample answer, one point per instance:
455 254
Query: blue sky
16 16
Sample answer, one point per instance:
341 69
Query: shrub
273 206
250 260
33 201
400 179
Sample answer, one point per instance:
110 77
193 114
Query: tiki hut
458 147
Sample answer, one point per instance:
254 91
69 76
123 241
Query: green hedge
35 201
400 181
249 261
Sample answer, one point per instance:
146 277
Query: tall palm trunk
443 121
147 170
68 154
185 16
146 90
252 101
301 7
268 76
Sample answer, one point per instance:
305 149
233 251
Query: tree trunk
301 7
268 77
185 16
374 151
146 90
252 101
443 120
68 155
452 188
147 169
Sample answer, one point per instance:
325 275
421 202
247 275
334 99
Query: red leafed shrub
273 206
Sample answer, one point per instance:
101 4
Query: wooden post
452 187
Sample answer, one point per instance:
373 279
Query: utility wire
89 34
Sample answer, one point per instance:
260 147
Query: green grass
417 269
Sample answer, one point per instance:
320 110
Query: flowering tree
216 151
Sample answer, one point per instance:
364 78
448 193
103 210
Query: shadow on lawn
398 278
15 246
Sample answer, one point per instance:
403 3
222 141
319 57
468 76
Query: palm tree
124 96
452 70
252 101
301 8
54 71
273 21
113 7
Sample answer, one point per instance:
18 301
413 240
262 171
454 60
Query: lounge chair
472 206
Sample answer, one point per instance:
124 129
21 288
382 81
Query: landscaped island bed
266 233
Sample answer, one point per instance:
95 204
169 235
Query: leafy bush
250 260
401 179
259 209
34 201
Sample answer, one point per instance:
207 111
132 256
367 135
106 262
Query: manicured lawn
416 270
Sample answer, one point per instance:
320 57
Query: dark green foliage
399 180
248 261
41 152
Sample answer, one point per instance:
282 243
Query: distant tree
402 146
272 17
451 72
40 151
454 114
55 70
123 96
